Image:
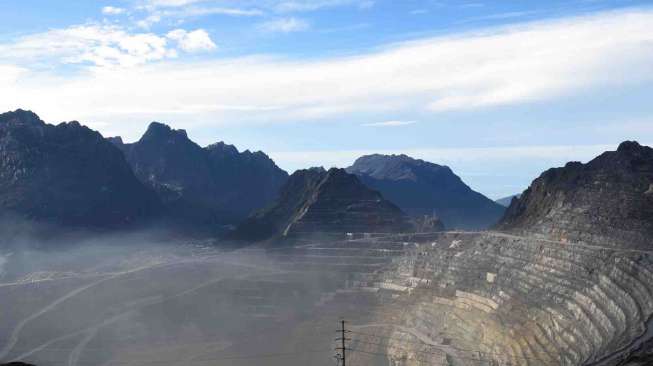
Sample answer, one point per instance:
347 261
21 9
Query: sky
499 90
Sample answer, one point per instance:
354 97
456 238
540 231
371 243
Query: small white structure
491 277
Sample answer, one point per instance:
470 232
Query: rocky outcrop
319 201
67 175
199 186
419 187
604 201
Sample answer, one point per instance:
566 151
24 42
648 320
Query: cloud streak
285 25
112 10
537 61
100 45
389 124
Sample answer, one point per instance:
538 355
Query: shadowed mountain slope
202 186
608 200
319 201
421 188
67 175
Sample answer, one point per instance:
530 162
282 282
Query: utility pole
343 345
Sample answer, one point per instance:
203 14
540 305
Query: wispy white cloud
193 11
112 10
198 40
270 6
171 3
149 21
312 5
532 62
285 25
389 124
100 45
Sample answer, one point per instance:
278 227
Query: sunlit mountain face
349 182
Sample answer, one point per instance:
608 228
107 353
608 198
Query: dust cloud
142 298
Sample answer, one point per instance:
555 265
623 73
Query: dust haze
141 299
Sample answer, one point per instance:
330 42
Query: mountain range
68 175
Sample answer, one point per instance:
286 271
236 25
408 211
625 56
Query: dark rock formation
67 175
319 201
202 187
419 187
16 364
605 201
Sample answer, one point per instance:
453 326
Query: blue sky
498 90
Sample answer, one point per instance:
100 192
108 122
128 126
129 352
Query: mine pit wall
489 299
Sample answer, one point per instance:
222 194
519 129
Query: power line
342 357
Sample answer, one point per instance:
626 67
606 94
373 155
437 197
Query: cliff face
421 188
67 175
202 186
607 201
319 201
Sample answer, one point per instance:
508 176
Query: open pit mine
565 278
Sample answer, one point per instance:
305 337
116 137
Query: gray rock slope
319 201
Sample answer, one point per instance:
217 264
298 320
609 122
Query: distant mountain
608 200
505 201
319 201
422 188
202 186
67 175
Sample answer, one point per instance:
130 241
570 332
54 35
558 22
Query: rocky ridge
208 186
319 201
606 201
422 188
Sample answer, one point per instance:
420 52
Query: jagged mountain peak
160 132
222 147
633 148
206 186
21 116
